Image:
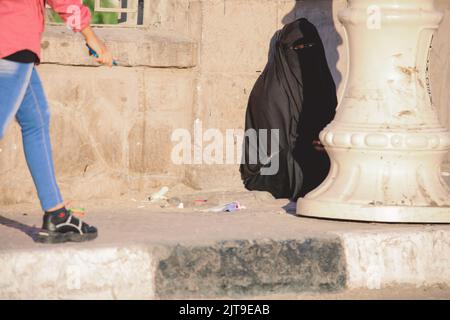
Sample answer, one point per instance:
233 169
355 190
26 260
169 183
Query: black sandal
61 226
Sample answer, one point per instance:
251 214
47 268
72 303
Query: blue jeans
22 96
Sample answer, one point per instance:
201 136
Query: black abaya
295 94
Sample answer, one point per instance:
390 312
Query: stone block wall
194 59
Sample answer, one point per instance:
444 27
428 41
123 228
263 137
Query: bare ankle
60 206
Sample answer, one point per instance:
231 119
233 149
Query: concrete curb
375 260
353 260
100 273
246 268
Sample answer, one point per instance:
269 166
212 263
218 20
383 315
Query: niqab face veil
295 94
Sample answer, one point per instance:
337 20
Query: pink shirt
22 22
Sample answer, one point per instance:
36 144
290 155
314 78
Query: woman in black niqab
295 94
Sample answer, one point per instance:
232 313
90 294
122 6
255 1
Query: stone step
247 268
131 47
145 254
226 269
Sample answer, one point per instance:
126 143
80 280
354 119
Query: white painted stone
377 260
103 273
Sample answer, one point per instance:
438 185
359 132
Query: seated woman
295 95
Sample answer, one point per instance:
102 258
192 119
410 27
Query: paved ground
129 222
264 251
132 219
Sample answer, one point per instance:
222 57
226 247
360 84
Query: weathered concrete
375 259
252 267
144 253
110 131
131 47
103 273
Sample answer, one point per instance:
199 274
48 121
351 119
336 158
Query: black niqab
295 94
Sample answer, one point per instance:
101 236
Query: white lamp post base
393 214
386 143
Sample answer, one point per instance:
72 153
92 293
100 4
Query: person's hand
105 56
318 146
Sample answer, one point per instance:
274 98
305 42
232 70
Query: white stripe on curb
378 260
103 273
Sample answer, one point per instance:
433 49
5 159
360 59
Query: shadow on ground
32 232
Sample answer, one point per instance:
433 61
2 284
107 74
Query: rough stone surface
64 273
234 268
377 260
110 131
131 47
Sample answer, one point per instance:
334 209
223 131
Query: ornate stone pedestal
386 142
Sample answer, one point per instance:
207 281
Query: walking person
22 97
